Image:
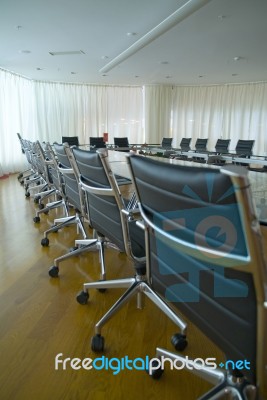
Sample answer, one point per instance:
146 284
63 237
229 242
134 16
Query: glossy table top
258 180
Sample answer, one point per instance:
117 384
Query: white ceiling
199 50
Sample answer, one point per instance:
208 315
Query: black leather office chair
77 196
28 171
71 140
33 180
185 144
72 195
205 256
166 143
201 145
97 142
111 218
244 148
222 146
47 188
122 142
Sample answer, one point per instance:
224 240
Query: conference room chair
48 157
111 218
28 171
97 142
222 146
98 242
166 143
72 195
33 179
201 145
122 142
47 188
205 254
185 144
71 140
244 148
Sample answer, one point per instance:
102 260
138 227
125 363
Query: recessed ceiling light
234 74
168 77
24 51
39 69
66 53
164 62
131 33
73 73
237 58
104 57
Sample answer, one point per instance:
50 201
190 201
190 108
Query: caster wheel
179 341
97 343
53 272
27 194
102 290
82 297
45 242
156 373
20 176
36 219
41 206
36 199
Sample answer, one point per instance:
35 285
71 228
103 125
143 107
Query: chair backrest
105 204
72 189
166 143
205 254
222 146
21 142
244 147
185 144
122 142
201 145
71 140
97 142
54 172
43 160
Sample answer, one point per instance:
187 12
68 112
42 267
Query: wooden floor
40 318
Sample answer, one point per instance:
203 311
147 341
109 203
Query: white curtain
87 110
16 105
48 111
227 111
158 112
125 113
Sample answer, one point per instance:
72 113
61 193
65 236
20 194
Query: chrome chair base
227 386
137 285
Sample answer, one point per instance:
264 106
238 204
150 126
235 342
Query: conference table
258 180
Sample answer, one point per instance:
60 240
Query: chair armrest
133 215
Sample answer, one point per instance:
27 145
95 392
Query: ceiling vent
65 53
